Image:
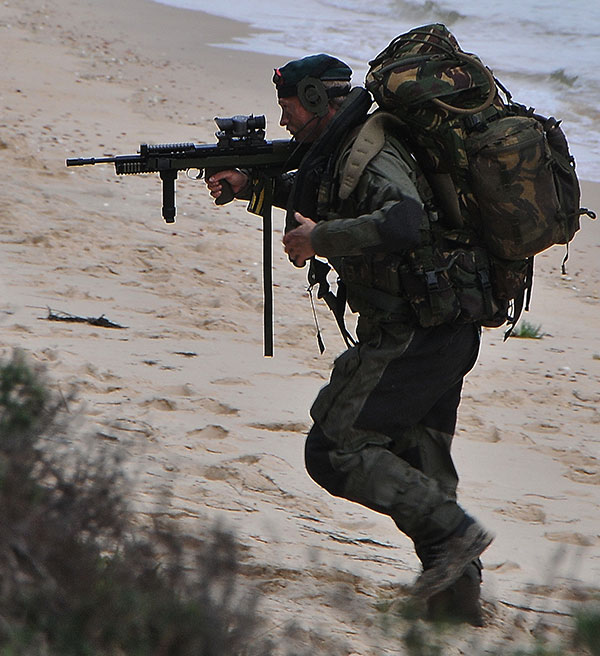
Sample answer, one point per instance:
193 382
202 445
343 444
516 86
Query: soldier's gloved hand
297 243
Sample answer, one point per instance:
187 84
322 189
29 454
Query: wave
544 52
562 77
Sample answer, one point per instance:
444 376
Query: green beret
322 67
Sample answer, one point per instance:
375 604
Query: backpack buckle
431 280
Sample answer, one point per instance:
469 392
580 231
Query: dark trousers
384 426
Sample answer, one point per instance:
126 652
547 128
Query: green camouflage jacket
370 214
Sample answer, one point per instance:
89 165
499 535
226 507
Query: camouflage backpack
502 175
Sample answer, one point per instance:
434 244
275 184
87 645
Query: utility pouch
427 287
469 271
458 289
509 277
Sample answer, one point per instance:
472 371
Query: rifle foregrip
169 210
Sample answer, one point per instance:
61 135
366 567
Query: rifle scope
241 126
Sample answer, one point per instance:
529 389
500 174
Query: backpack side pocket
510 169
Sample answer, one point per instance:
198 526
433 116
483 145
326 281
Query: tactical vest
444 280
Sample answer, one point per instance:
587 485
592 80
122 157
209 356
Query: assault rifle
241 144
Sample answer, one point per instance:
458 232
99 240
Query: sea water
547 52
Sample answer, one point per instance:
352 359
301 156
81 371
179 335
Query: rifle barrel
85 161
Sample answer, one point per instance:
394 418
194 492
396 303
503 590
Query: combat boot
461 601
451 558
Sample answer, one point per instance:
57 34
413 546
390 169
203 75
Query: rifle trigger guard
191 176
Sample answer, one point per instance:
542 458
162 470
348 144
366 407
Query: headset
314 97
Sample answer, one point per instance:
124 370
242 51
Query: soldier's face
295 118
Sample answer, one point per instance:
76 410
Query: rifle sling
317 275
261 204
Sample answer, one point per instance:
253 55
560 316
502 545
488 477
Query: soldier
384 424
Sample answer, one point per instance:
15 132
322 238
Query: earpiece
313 96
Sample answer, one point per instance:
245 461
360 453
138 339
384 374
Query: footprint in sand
211 439
245 473
217 408
212 432
282 427
253 481
577 539
542 427
160 404
124 430
527 512
230 381
185 390
584 475
582 468
504 567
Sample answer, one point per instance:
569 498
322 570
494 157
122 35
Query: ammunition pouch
431 285
452 286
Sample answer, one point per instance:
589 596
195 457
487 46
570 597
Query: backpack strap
367 144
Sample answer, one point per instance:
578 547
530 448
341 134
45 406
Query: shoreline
184 391
269 34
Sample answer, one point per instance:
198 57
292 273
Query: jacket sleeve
389 212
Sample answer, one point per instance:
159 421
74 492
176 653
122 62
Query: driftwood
542 611
101 321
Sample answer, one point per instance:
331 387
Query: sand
184 391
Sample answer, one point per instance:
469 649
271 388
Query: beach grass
77 577
527 330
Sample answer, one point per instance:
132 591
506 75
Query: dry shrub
75 578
